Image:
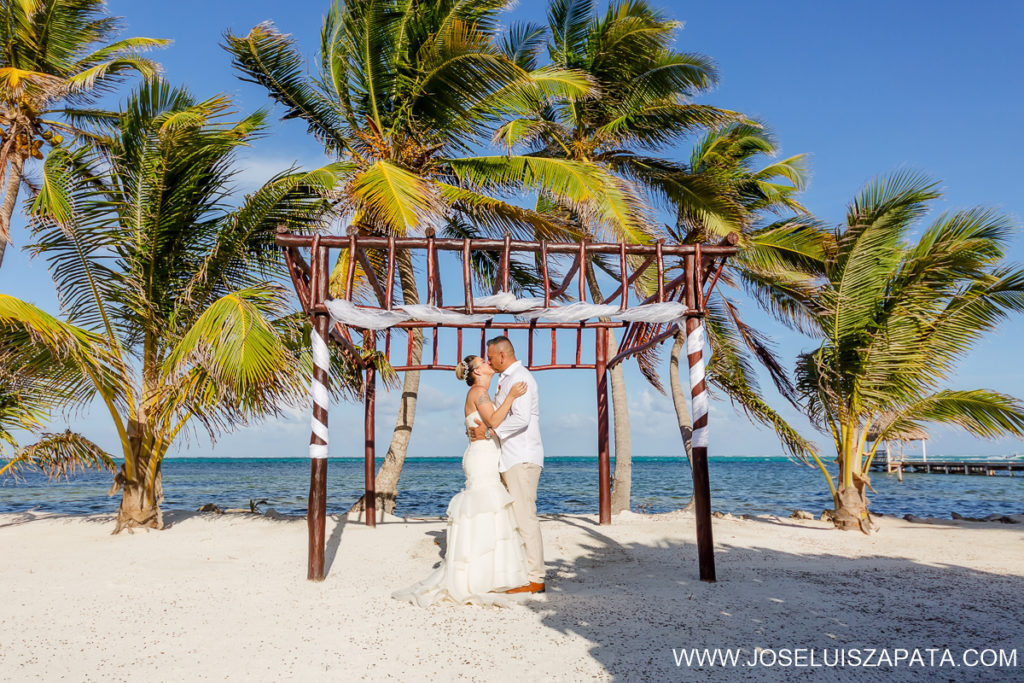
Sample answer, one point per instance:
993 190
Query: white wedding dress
485 554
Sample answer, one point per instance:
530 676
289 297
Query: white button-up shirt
520 432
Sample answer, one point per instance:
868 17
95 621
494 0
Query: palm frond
522 43
60 455
980 412
569 21
499 217
108 73
740 335
663 122
47 331
868 248
756 408
269 58
403 201
243 252
461 70
234 340
587 187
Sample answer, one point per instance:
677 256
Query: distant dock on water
989 467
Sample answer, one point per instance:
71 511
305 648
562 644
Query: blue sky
864 88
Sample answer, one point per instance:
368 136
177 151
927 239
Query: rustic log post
316 514
370 463
603 455
699 438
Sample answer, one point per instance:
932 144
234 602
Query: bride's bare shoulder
473 397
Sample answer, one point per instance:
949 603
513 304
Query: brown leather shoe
532 587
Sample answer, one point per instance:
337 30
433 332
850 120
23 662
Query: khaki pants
521 482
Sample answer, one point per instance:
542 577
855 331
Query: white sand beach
224 597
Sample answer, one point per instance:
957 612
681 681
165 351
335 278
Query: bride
485 554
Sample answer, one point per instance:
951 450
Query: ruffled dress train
485 554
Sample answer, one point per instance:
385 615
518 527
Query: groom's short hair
502 343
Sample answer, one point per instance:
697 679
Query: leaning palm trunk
391 470
10 201
386 480
623 479
679 399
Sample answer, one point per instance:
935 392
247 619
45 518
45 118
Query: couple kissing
494 547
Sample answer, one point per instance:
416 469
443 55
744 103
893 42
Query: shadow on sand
10 519
635 602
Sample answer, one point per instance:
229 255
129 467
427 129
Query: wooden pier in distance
988 468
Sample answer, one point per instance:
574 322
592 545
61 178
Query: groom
522 454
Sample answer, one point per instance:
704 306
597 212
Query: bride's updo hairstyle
464 370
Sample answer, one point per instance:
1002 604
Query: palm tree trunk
851 511
10 201
141 495
622 482
140 501
386 480
851 500
622 479
679 400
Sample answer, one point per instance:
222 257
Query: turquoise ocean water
738 485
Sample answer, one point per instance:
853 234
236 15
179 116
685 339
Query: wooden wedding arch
682 298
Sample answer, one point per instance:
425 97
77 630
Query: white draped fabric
667 312
572 313
507 301
433 314
348 313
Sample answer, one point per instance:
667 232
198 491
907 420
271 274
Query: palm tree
894 316
54 53
775 257
406 93
172 314
642 102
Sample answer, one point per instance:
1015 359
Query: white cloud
432 400
253 171
570 421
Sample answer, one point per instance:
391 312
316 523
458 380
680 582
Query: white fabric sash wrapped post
321 399
699 448
698 389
